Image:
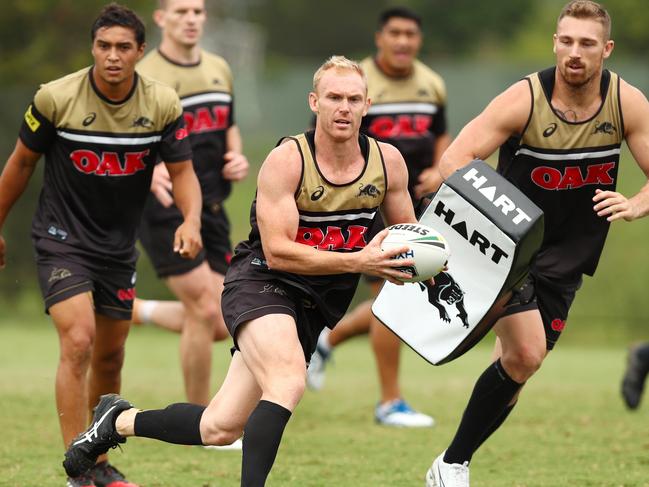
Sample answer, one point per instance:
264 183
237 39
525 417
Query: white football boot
442 474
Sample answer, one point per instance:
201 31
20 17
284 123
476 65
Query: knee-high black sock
178 423
261 438
495 425
493 391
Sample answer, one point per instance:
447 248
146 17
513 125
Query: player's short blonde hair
587 9
340 63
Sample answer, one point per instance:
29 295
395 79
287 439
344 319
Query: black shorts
62 275
245 300
553 300
157 231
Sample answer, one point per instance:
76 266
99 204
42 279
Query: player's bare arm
397 205
187 195
505 116
278 220
611 204
236 165
13 181
161 186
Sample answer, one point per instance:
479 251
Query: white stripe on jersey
570 157
205 97
108 140
349 216
400 108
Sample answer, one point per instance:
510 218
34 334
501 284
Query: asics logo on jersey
333 238
550 130
368 190
207 120
385 127
604 128
144 122
108 163
89 119
317 194
422 92
572 177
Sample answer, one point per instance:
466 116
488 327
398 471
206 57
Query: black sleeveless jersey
333 218
99 156
205 91
407 112
559 165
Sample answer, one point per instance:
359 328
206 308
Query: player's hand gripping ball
427 248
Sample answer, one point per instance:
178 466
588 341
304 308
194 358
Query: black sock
495 425
178 423
643 354
491 395
261 438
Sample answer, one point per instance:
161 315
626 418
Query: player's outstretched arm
278 220
611 204
506 115
187 195
13 181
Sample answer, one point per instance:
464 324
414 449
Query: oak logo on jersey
550 130
143 122
317 194
108 163
604 128
333 238
387 126
89 119
446 290
30 120
368 190
572 177
204 119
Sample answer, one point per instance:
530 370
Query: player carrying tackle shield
559 132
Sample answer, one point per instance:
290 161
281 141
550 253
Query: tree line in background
42 39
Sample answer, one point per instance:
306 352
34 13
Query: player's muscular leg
224 419
271 349
74 319
220 330
522 342
197 294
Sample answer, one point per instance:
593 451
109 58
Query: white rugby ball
427 248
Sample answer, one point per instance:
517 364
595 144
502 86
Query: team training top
205 90
407 112
99 156
559 165
333 217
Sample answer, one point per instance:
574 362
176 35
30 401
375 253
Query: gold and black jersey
205 91
99 156
407 112
559 164
333 218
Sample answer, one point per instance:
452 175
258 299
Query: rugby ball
427 248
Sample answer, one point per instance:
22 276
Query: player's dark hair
398 12
113 15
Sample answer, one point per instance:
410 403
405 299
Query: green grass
570 428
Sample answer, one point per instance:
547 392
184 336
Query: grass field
570 428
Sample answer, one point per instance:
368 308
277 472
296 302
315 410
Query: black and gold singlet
205 91
333 218
99 156
559 165
408 113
